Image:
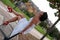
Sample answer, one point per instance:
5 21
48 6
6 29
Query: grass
41 30
7 2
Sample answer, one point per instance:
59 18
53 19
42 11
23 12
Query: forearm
13 19
17 14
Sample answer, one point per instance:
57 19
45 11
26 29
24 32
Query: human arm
10 20
17 14
11 10
13 19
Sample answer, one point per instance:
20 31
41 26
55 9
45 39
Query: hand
5 22
9 9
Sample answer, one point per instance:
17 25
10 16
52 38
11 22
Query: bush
55 33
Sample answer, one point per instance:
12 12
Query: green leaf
52 5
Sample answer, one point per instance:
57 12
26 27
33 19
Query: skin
35 19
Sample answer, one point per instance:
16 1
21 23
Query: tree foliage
43 24
55 33
55 4
25 1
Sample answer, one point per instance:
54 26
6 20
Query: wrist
23 30
8 21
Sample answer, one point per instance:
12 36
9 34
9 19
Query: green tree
55 4
55 33
25 1
43 24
